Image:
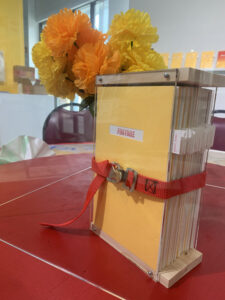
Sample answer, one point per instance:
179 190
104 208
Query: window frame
92 5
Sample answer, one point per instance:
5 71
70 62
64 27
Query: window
101 15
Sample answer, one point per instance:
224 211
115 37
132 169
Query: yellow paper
191 60
177 60
165 57
134 220
220 60
207 60
11 40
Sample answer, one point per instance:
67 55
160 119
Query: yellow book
147 110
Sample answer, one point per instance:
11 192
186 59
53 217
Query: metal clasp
135 174
116 173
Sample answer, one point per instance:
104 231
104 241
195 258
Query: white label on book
128 133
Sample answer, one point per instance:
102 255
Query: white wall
116 7
23 115
186 24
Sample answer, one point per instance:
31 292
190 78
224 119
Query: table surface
73 263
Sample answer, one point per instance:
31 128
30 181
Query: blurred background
191 34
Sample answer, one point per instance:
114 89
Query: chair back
68 126
219 140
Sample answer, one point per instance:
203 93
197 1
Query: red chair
68 126
219 141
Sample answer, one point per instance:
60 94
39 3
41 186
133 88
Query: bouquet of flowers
71 53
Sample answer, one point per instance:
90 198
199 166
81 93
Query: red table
73 263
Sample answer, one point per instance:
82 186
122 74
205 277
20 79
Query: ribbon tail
93 188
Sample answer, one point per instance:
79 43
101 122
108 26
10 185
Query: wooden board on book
183 76
184 264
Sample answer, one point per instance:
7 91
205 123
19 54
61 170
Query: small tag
177 140
128 133
190 140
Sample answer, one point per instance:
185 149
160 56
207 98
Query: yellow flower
71 53
137 60
132 29
54 72
92 60
132 34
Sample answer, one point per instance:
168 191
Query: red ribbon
146 185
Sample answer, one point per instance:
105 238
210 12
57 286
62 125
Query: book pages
192 110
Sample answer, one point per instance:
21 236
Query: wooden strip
180 267
185 76
200 78
141 78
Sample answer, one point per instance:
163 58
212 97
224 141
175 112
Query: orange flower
92 60
86 36
90 36
62 31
